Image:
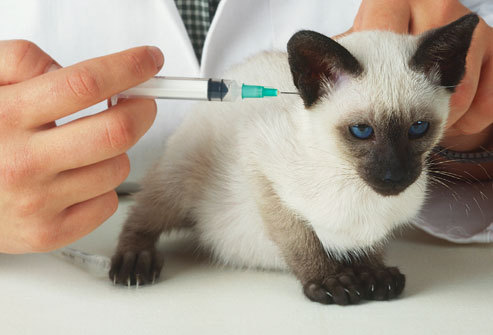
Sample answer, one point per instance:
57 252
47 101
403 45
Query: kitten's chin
396 190
388 191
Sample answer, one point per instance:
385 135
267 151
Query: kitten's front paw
381 283
135 268
340 289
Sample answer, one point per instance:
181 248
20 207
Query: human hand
56 183
471 116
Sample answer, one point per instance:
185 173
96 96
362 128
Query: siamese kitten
313 183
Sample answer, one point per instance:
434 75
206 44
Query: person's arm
469 127
57 183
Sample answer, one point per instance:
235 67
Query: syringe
196 89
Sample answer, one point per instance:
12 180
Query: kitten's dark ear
443 51
315 58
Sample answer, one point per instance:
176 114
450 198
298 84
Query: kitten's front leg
325 279
378 282
371 279
136 260
157 209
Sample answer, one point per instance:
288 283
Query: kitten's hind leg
158 208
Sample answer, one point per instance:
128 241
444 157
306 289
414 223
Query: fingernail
52 67
157 55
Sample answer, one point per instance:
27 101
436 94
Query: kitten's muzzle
391 182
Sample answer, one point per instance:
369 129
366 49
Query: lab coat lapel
185 62
236 33
242 28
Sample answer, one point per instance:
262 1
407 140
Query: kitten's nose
393 176
392 182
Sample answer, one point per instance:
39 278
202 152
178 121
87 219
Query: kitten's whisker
444 179
441 162
445 185
485 171
450 175
433 160
475 185
479 207
437 181
483 196
470 175
450 147
485 149
444 172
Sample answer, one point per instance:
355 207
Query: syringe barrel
184 88
170 88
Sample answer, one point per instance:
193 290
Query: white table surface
449 291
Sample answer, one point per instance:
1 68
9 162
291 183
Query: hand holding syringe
171 88
196 89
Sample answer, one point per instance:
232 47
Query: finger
480 114
60 93
475 142
472 95
95 138
72 223
22 60
383 15
82 218
88 182
465 91
426 15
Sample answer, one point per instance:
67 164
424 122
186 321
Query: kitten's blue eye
361 131
418 129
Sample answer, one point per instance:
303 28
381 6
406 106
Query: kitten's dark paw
135 268
381 283
340 289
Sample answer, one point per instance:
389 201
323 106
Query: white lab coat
74 30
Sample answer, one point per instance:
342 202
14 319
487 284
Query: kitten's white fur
299 152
